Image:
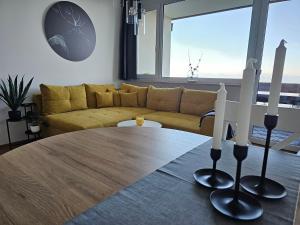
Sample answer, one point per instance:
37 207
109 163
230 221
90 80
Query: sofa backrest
164 99
187 101
197 102
59 99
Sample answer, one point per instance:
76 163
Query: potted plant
13 94
34 120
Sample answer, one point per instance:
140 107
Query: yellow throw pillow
129 99
117 98
104 99
55 99
164 99
196 102
77 97
141 92
91 90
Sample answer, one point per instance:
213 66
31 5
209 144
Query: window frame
159 6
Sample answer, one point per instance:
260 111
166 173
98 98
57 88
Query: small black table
28 132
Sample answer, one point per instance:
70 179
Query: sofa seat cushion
134 111
93 118
86 119
178 121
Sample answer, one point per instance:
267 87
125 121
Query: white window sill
178 80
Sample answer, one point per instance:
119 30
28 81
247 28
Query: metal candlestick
213 178
233 203
260 185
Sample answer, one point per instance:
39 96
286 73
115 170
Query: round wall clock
70 31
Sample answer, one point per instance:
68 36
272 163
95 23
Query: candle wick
283 42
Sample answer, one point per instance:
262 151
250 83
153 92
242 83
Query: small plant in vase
13 93
193 69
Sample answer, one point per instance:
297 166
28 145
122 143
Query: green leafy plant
13 93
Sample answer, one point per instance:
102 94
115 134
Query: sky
222 41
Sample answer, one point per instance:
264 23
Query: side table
28 132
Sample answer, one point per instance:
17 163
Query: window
146 42
219 39
283 23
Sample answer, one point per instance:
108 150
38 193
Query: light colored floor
297 221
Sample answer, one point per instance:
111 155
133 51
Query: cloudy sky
222 39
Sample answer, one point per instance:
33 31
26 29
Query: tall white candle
277 79
220 106
245 106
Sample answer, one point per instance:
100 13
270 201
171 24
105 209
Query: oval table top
52 180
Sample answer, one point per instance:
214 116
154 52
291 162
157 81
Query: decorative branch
193 69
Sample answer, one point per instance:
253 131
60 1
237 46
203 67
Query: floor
297 222
277 135
4 149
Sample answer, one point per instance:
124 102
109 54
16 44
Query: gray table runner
171 196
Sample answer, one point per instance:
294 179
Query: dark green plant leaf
13 93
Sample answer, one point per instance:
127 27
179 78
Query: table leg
8 134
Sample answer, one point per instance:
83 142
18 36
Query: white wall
25 50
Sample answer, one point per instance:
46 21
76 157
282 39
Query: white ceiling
197 7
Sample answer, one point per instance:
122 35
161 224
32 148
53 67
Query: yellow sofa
65 110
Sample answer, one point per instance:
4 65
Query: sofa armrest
205 116
207 125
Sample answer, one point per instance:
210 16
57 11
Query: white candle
245 106
220 106
276 79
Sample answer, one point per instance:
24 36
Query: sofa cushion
77 97
56 99
134 111
141 92
91 90
104 99
196 102
164 99
116 98
93 118
178 121
129 99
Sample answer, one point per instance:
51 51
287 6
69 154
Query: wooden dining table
54 179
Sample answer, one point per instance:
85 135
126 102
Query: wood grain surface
55 179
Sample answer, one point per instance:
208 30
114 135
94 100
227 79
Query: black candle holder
260 185
234 203
213 178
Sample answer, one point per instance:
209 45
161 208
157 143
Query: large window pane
220 39
283 23
146 42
